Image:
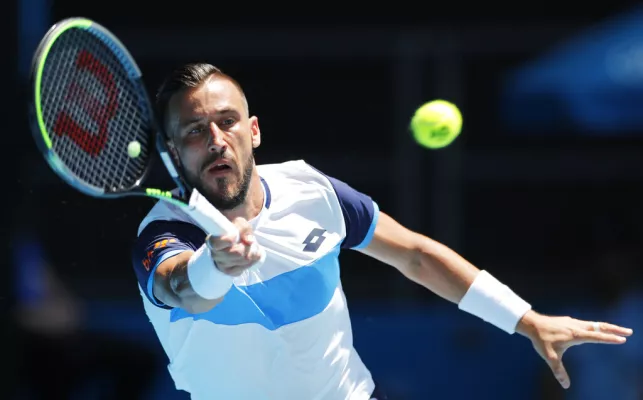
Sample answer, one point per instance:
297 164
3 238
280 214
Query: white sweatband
494 302
206 279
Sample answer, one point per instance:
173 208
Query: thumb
560 373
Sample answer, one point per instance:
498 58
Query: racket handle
210 219
213 222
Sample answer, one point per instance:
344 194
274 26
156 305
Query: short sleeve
159 241
360 214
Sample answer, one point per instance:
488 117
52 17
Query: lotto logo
314 239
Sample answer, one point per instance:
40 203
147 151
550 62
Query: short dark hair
189 75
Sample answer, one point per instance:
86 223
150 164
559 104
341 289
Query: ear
174 152
255 131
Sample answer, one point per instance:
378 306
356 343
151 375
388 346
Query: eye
195 130
228 121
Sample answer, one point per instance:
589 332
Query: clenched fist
232 257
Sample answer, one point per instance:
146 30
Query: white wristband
494 302
206 279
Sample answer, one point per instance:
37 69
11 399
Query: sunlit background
542 188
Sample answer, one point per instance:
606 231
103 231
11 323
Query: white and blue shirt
282 332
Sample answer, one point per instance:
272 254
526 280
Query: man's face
213 138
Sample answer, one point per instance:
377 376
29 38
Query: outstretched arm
421 259
444 272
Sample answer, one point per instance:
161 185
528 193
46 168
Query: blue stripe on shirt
285 299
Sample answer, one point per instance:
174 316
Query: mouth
218 168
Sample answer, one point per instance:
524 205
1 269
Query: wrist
494 302
527 326
206 279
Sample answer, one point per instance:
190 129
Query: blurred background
542 188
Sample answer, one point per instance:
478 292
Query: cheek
189 159
243 141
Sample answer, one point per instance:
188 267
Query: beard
227 197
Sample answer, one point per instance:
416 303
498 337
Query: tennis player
282 330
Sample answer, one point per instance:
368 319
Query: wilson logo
101 114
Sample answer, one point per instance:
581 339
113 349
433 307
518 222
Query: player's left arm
446 273
421 259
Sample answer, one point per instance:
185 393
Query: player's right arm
172 287
175 266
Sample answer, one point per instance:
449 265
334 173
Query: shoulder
299 188
295 170
295 176
164 211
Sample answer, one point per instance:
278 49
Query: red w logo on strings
91 143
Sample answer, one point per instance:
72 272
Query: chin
225 192
222 186
222 197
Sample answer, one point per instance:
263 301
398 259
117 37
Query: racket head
88 103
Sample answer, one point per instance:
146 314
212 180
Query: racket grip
208 217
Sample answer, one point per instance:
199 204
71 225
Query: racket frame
43 141
189 199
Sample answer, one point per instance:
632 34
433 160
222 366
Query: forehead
213 95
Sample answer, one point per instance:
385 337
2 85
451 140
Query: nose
216 144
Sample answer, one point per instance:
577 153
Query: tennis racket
88 106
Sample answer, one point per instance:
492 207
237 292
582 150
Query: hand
552 336
232 258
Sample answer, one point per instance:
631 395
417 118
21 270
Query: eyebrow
226 111
196 119
191 121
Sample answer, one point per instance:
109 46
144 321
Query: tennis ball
134 149
436 124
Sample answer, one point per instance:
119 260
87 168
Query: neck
253 204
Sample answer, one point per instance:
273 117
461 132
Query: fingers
555 361
600 337
238 255
235 252
243 233
607 328
556 334
601 332
218 243
560 373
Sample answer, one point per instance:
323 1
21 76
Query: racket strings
93 110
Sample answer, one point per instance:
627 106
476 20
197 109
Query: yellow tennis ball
436 124
134 149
